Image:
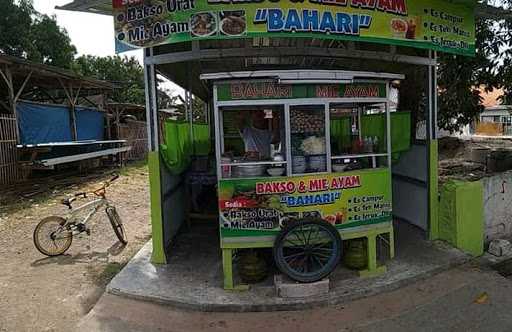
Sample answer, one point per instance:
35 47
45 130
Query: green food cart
315 171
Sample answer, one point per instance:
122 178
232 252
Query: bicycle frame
72 220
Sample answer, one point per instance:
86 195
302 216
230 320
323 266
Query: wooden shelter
37 83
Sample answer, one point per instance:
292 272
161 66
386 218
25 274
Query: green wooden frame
368 232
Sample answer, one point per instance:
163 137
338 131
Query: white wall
497 206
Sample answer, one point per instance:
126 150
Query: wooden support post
372 269
227 266
372 252
72 100
20 91
74 134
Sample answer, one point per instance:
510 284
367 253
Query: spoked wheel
52 237
308 250
117 224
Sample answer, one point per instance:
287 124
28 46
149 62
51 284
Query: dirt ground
39 293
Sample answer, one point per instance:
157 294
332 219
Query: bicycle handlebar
68 201
98 192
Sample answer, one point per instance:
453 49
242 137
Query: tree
28 34
505 72
169 99
126 73
51 44
15 23
461 79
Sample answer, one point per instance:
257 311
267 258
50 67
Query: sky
90 33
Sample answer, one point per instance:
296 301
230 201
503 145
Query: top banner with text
431 24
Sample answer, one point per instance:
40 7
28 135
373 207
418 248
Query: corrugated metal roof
89 6
42 74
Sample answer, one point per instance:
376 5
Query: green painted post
391 243
433 200
155 193
372 253
227 265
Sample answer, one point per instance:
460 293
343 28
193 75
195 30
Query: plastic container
299 164
226 170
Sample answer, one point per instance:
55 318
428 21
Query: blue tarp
43 123
89 124
51 123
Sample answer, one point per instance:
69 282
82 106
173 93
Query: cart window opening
308 143
254 137
359 136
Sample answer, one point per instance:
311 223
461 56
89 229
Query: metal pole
431 152
217 132
288 140
327 117
435 108
388 127
191 121
429 119
359 127
151 103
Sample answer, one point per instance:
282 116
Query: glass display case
358 136
254 141
308 139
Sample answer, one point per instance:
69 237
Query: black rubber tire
63 246
332 260
117 224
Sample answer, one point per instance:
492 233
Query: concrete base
193 278
287 288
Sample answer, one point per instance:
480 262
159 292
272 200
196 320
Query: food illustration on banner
232 23
203 24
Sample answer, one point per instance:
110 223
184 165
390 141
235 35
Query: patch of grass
109 272
15 204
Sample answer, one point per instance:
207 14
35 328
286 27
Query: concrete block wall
497 195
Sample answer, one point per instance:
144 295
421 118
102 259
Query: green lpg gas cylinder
355 256
252 268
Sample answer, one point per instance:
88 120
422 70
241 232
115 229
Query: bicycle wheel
52 237
308 250
117 224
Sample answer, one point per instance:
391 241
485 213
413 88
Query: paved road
462 299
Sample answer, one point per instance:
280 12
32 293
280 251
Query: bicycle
53 235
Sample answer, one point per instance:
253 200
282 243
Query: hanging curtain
178 149
340 134
202 142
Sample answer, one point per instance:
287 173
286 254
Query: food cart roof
294 55
184 62
104 7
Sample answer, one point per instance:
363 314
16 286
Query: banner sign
432 24
260 207
271 90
